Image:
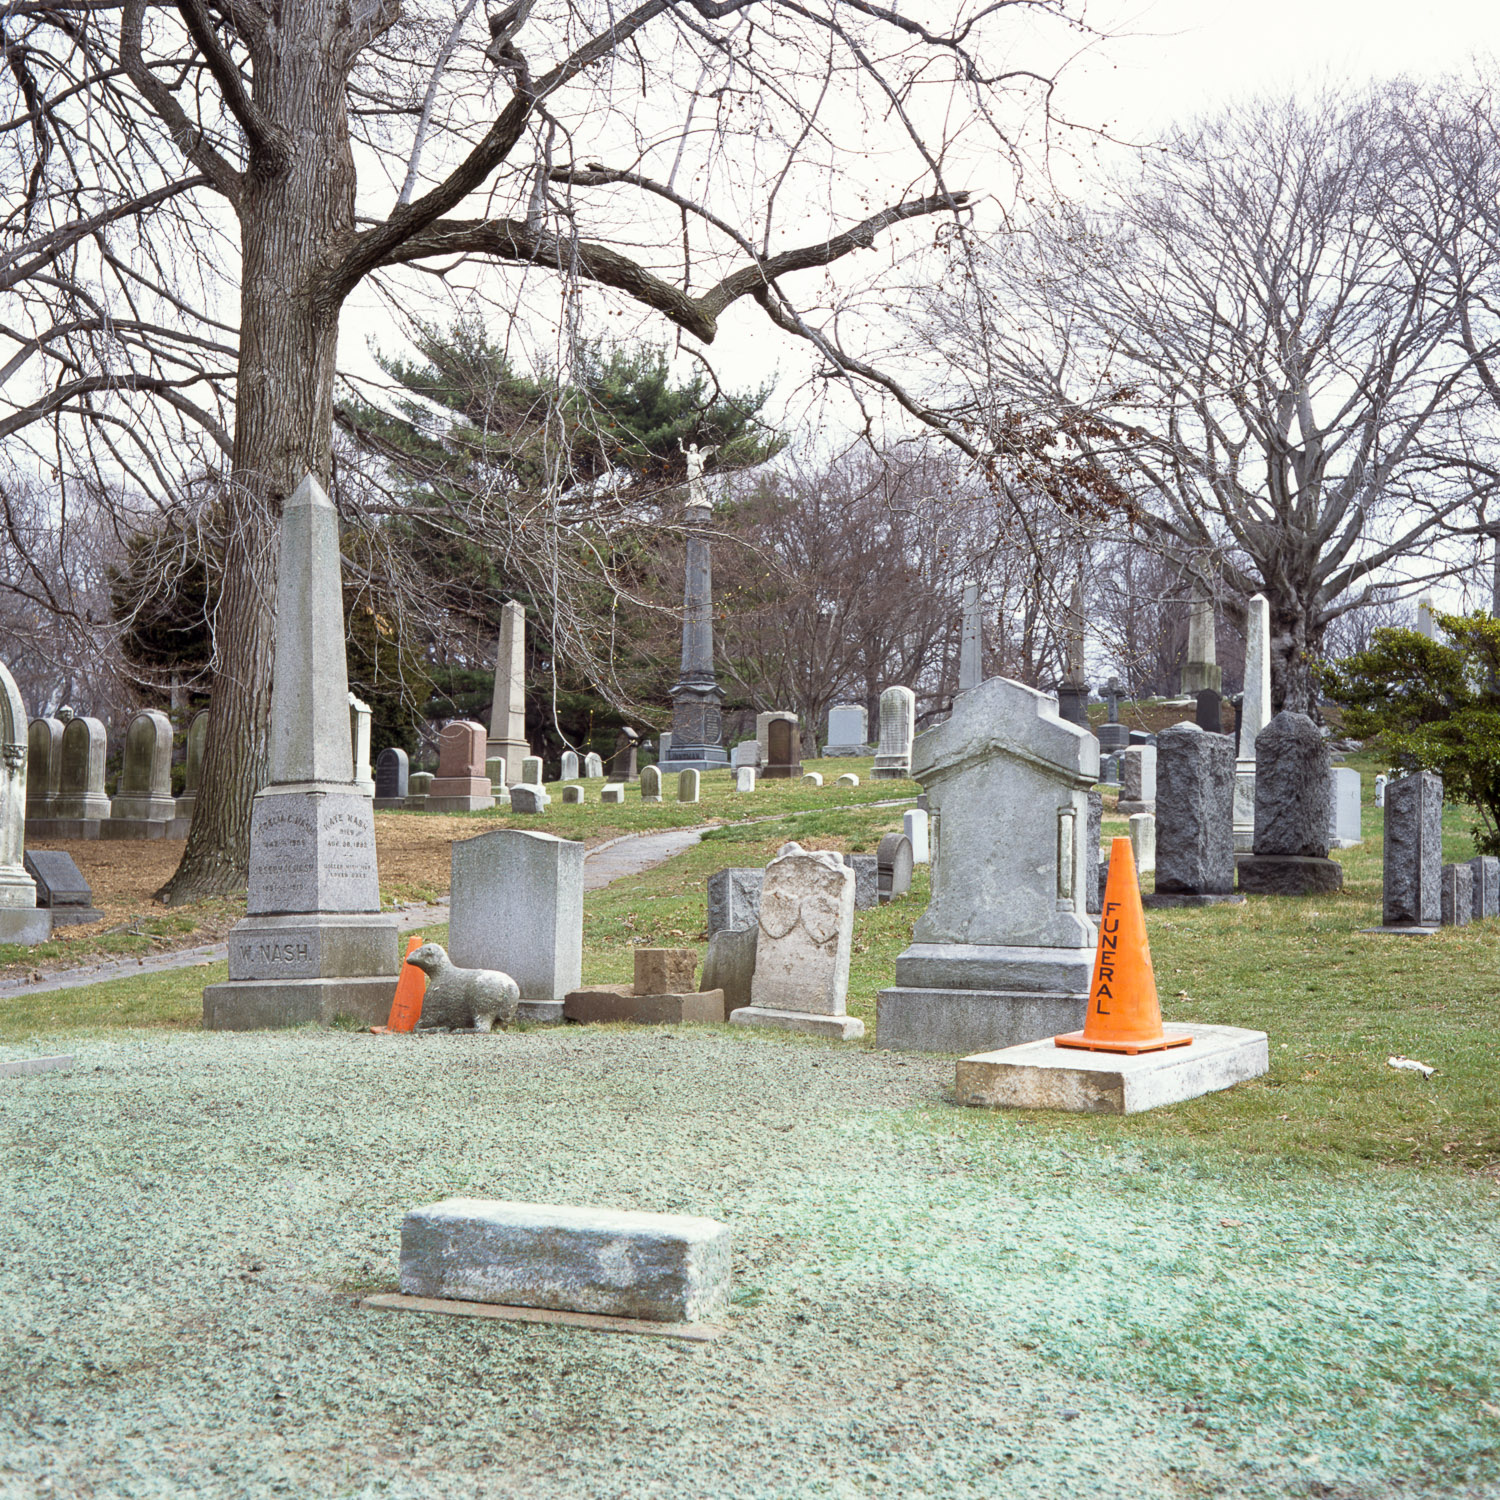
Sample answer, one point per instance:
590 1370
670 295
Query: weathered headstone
1210 711
848 779
866 880
894 860
392 778
813 778
624 764
1486 886
528 799
664 994
143 803
419 784
1380 783
687 786
1143 842
517 906
848 730
1344 830
192 775
734 898
914 826
495 769
802 955
1005 950
1194 818
1113 738
361 717
61 888
746 753
1093 891
507 735
462 783
898 721
1456 903
21 920
729 965
1254 714
612 792
314 943
573 794
763 724
569 771
593 767
80 793
1138 780
1292 794
971 642
43 766
1412 859
531 770
651 784
744 779
782 758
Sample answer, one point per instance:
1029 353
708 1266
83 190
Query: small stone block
664 1268
21 1067
1041 1075
813 778
572 794
848 779
840 1028
664 971
528 797
619 1002
614 792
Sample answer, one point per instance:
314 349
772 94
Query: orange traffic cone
1124 1014
411 986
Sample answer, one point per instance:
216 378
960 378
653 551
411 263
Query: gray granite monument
1292 815
1194 818
848 730
1201 672
898 723
1412 858
507 736
143 805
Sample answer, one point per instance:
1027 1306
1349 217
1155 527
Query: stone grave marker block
894 860
898 722
734 899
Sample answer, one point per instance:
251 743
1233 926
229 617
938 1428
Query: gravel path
932 1302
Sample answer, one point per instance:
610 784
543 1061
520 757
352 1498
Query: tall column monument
507 738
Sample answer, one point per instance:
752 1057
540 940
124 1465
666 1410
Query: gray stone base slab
604 1003
672 767
22 1067
417 802
1205 898
980 966
319 945
178 827
692 1333
1042 1075
42 830
837 752
1126 808
25 924
134 828
255 1005
457 804
891 773
541 1012
75 916
664 1268
143 809
936 1020
781 773
839 1028
1288 874
1345 843
1401 931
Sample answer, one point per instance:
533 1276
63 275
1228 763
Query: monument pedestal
66 830
619 1002
1288 874
252 1005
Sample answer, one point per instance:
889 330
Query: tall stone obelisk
1201 669
970 642
697 698
1255 714
314 943
508 708
1073 692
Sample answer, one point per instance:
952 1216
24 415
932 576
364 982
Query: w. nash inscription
312 851
294 953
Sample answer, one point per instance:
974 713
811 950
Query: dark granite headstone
1411 877
1210 715
1194 818
59 882
1456 905
1073 703
782 758
624 763
1292 809
391 774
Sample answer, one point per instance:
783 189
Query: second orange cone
1124 1014
411 990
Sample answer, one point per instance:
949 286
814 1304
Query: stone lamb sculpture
464 998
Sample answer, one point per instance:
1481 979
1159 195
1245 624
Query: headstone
314 943
494 768
1210 711
1138 780
744 779
1005 950
664 748
1194 818
866 880
21 920
1412 859
914 826
848 779
746 753
813 778
61 888
1113 738
573 794
593 767
197 739
43 766
734 899
1073 703
894 860
80 792
1426 620
971 642
729 965
612 792
1486 886
1344 830
1380 785
687 786
531 770
1456 903
1109 769
1143 842
848 730
1093 891
898 721
661 1268
1112 700
507 735
143 803
462 783
624 765
528 799
763 724
1292 793
1254 715
1201 672
569 771
802 955
651 784
1140 737
420 784
392 777
361 716
782 753
517 906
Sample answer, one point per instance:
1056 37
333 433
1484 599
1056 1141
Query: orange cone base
1076 1039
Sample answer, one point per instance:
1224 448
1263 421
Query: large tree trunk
295 216
1295 644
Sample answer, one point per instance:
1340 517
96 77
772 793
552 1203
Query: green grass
132 939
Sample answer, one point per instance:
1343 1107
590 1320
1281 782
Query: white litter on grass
1411 1065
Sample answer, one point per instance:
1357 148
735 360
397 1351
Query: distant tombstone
1456 903
531 770
848 779
144 794
1344 830
192 775
392 775
782 760
462 783
623 764
573 795
360 720
1112 699
43 766
1112 738
1412 859
687 785
419 784
61 888
866 880
1093 890
813 778
1380 785
613 792
1486 885
80 792
894 859
526 798
744 779
651 784
569 771
1210 716
734 899
494 768
593 767
746 753
730 965
1143 842
848 730
1138 780
1292 793
898 722
802 952
914 826
1195 775
763 724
